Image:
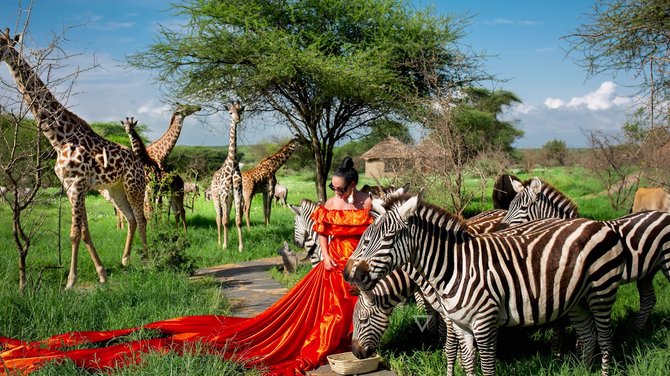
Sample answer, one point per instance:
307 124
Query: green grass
142 293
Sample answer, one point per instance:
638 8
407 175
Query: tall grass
142 293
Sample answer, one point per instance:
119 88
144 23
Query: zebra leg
486 335
466 342
451 347
582 321
602 315
645 287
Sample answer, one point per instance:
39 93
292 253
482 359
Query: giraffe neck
273 162
232 141
161 148
57 123
139 148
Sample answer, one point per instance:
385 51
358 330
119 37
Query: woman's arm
328 262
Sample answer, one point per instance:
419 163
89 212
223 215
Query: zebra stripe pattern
564 268
645 237
537 200
646 243
372 311
303 234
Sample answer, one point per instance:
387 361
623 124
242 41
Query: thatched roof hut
386 159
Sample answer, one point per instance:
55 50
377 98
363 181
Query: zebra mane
306 201
434 214
549 190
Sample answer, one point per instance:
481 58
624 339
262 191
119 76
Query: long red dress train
295 334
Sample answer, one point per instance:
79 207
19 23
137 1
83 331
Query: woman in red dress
295 334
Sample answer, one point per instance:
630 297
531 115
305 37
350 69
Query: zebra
303 234
537 200
371 315
487 221
645 237
373 309
566 267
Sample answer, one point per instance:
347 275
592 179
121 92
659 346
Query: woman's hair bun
347 163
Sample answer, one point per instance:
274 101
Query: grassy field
159 288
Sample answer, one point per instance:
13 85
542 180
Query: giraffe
159 181
159 150
84 160
262 179
227 183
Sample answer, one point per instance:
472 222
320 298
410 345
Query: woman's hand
328 262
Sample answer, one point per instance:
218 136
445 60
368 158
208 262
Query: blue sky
523 39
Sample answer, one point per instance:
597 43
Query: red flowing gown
295 334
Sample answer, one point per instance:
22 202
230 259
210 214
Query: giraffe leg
216 198
237 196
267 207
226 201
86 236
247 205
76 192
76 201
137 204
119 196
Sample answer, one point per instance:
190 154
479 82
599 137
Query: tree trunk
22 271
320 174
22 246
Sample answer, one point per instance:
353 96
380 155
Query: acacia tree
629 36
329 68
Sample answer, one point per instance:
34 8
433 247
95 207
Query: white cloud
521 108
153 109
603 98
554 103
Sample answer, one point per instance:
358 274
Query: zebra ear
378 206
517 185
296 209
536 185
408 208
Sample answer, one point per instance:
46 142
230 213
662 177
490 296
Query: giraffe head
235 110
185 110
129 124
7 42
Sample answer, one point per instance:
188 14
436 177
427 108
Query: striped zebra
645 237
567 267
537 200
303 234
372 313
373 308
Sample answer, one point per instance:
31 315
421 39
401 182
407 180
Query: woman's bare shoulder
330 204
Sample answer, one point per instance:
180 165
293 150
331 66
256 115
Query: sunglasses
338 189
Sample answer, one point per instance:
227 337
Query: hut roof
390 147
431 148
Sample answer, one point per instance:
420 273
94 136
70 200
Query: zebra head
384 245
370 322
538 200
520 209
302 231
373 310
